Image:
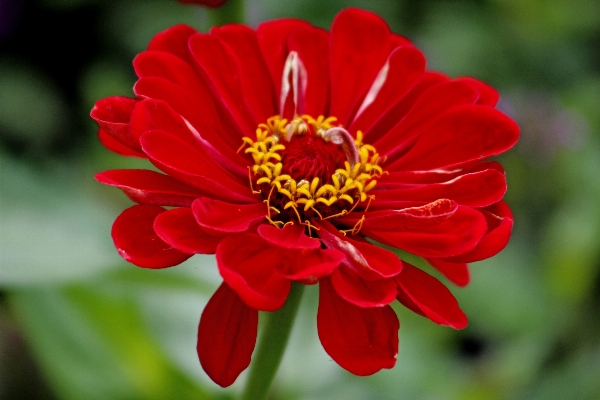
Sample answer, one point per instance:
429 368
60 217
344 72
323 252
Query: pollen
310 168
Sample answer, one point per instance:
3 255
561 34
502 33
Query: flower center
310 168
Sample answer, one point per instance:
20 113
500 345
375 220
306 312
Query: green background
77 322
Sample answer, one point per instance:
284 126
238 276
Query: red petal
431 104
457 273
360 340
272 40
257 86
288 237
219 216
463 134
217 65
149 187
198 109
456 235
397 112
226 336
174 41
193 166
247 263
476 189
179 228
153 114
361 292
360 44
407 219
312 46
488 96
404 68
425 295
112 115
500 221
369 261
114 145
136 241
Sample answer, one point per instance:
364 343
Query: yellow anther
289 204
304 191
283 178
326 188
267 171
277 169
370 185
327 202
309 204
314 184
270 155
277 147
263 180
285 192
347 198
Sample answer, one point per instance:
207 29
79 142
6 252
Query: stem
230 12
271 347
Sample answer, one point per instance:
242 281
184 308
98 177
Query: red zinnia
283 149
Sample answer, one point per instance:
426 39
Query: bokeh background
77 322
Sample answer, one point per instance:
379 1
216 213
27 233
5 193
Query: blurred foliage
92 326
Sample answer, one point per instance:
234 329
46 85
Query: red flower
282 150
207 3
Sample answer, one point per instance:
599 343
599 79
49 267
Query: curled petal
174 41
361 292
114 145
407 219
136 241
225 217
425 295
368 261
456 235
247 263
226 336
178 228
112 115
149 187
457 273
360 340
499 221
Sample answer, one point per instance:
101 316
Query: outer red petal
174 40
193 166
407 219
427 296
475 189
114 145
136 241
368 261
217 65
178 228
149 187
457 273
153 114
312 46
289 237
247 263
112 115
361 292
360 340
226 336
500 221
487 95
257 86
463 134
404 68
273 40
426 109
360 44
220 216
456 235
399 111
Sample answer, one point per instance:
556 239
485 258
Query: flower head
285 148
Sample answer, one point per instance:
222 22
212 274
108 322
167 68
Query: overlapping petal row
200 97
